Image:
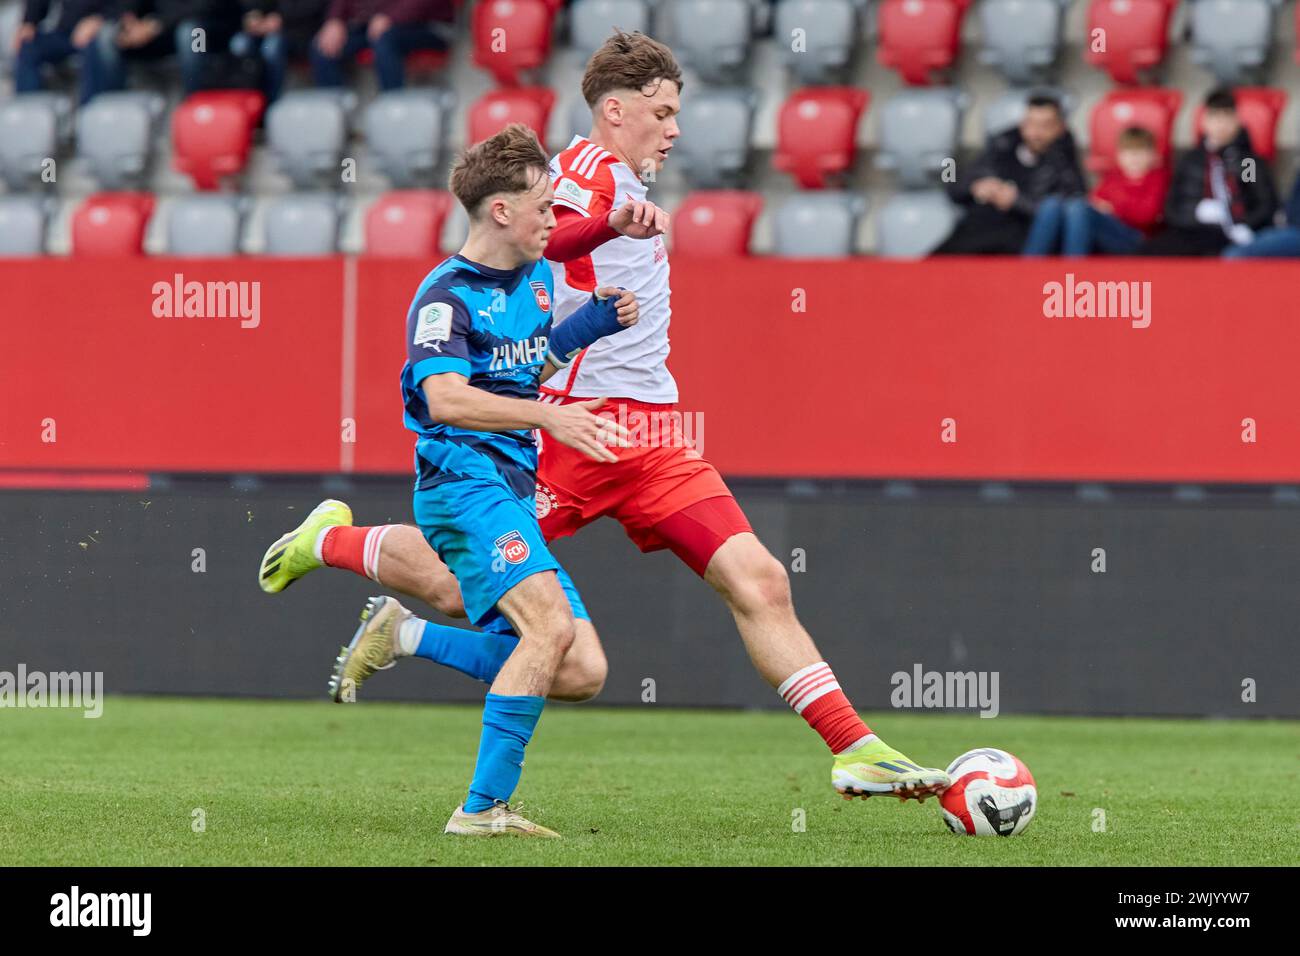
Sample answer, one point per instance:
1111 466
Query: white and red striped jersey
630 364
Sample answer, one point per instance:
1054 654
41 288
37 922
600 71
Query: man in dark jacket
74 29
148 30
392 28
1280 242
1019 168
1221 191
278 30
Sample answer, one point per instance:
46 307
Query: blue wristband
595 320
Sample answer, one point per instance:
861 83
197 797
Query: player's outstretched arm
453 401
610 310
638 220
575 425
577 235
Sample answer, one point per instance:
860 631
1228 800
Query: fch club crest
541 295
513 547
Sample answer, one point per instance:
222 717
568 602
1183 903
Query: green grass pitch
288 782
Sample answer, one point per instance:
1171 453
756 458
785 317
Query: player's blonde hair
500 164
628 61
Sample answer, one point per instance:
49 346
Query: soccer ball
992 794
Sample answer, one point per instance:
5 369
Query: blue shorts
490 540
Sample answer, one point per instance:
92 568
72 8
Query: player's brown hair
628 61
500 164
1136 137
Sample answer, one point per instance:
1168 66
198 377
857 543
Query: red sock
814 694
354 549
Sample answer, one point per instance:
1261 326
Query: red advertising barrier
96 375
867 368
862 383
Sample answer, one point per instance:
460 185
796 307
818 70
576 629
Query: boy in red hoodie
1124 209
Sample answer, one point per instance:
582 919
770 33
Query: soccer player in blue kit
479 342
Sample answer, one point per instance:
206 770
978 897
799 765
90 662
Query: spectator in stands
277 30
72 31
1279 241
1221 192
1018 169
1122 212
149 30
392 28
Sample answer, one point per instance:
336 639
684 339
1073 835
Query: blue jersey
492 326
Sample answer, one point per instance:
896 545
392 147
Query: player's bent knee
581 680
556 632
588 691
447 601
582 675
591 676
760 585
564 636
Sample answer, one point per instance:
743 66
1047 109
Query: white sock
409 633
807 685
859 744
374 548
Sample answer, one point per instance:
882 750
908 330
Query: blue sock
508 724
479 654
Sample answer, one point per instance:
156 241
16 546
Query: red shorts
656 489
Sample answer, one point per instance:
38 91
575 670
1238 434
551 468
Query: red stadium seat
111 224
1152 109
919 36
530 105
1259 108
212 133
815 133
511 36
715 223
407 222
251 102
1135 35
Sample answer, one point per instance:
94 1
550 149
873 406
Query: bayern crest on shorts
545 501
513 547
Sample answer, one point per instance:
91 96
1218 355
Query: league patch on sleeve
433 325
570 192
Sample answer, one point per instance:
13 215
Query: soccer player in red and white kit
663 492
